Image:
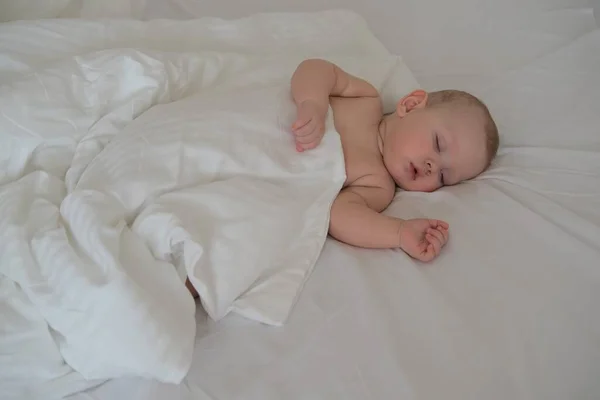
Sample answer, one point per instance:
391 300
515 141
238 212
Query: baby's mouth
413 171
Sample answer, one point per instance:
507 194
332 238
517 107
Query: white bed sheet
92 218
509 311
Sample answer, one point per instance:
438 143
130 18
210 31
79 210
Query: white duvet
135 154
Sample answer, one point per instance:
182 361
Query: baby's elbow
336 228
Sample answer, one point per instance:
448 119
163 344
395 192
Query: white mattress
509 310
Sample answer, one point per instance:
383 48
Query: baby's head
437 139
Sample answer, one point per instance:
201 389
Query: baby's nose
431 166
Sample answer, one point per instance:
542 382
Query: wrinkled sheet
136 154
509 311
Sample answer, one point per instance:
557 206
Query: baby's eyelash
437 147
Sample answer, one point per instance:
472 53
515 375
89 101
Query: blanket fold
127 167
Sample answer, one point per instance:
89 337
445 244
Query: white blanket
134 154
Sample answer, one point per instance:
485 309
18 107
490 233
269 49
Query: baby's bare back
357 121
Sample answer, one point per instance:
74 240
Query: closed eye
437 148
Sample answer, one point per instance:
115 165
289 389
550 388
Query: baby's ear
414 100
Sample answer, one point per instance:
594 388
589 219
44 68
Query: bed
509 309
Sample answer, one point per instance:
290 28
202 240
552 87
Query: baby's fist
309 127
423 239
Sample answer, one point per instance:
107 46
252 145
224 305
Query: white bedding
130 164
508 310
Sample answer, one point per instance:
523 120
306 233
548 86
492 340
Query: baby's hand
423 239
309 126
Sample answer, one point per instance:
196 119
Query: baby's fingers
445 233
311 140
438 234
307 146
435 223
300 122
305 129
428 253
435 243
310 137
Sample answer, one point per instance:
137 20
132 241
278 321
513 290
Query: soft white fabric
31 9
12 10
509 311
214 185
133 154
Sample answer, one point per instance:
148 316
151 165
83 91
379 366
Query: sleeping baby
431 140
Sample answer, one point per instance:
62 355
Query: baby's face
433 147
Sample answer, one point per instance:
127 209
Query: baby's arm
317 79
313 82
356 218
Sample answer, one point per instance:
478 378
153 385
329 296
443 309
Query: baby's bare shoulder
371 181
369 172
357 121
360 112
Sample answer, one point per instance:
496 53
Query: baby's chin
411 187
402 185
